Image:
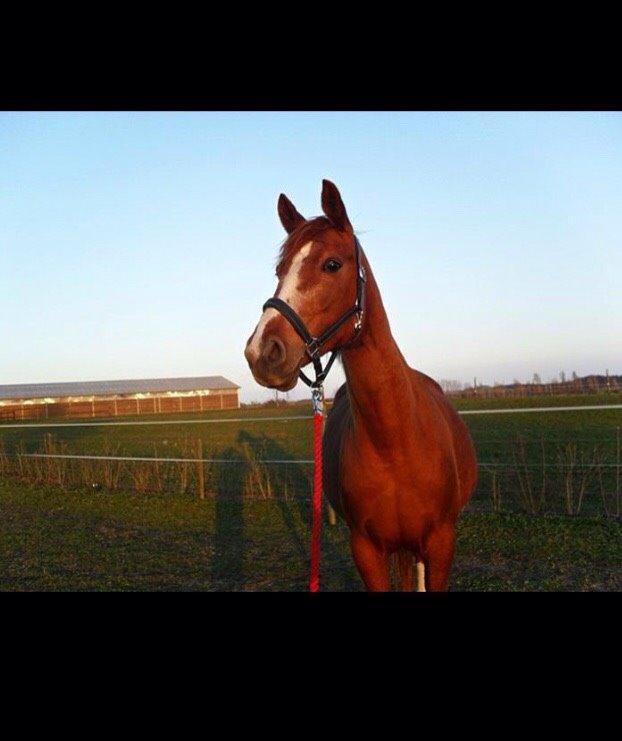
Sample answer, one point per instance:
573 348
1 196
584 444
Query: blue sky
143 244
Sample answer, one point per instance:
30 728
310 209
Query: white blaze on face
288 292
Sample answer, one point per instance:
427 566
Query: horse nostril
274 352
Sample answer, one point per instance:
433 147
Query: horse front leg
372 563
438 557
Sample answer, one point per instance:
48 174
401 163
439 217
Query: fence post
200 471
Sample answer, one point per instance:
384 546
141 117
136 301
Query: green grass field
151 534
52 540
518 450
490 432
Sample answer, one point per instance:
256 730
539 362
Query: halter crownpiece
313 344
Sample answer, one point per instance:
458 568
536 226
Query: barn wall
126 407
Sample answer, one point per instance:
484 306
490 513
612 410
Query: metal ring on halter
317 397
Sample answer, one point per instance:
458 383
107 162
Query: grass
251 530
490 432
84 540
505 478
140 440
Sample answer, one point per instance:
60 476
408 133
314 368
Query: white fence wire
278 461
221 420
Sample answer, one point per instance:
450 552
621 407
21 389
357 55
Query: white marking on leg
420 576
288 292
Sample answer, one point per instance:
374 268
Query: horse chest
390 497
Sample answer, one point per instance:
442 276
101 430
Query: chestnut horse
399 463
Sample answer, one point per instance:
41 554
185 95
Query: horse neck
378 378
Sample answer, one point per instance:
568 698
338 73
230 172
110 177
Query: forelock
308 231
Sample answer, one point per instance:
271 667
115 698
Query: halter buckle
312 348
317 398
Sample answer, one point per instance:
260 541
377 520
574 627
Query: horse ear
290 218
333 207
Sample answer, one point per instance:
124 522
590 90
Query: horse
399 463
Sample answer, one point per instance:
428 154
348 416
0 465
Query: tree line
592 384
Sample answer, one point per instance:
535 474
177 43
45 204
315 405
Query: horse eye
331 266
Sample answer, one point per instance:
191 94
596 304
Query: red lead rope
316 523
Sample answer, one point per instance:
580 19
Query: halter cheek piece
313 344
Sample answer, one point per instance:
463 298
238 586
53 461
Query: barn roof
110 388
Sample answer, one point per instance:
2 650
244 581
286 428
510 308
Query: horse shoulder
462 447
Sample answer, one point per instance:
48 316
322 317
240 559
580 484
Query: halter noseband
313 344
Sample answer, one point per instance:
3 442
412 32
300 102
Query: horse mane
308 231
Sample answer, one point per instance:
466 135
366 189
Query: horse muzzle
271 363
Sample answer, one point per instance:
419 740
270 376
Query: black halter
313 344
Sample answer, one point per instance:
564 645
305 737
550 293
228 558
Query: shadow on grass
240 549
227 567
296 480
